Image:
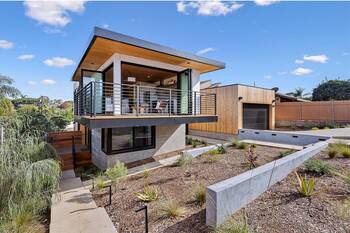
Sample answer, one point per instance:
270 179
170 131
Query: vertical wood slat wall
230 109
313 111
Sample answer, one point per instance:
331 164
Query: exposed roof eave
121 38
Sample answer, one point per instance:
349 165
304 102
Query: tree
332 90
6 88
6 107
299 93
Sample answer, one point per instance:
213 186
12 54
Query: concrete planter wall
228 196
280 137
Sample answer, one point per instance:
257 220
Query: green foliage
306 186
195 142
146 173
345 152
234 226
170 209
200 195
116 172
338 148
332 90
6 107
332 152
29 175
6 88
299 93
218 150
318 167
314 128
149 194
285 153
99 182
344 175
234 142
184 160
213 158
242 146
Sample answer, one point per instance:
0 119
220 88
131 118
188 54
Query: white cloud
206 50
345 54
26 57
5 44
208 8
299 61
267 77
282 72
301 71
59 62
48 82
32 83
316 58
105 25
265 2
55 13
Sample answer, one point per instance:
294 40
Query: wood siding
230 109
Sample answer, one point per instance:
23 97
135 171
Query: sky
264 43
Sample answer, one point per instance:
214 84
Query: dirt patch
177 183
282 209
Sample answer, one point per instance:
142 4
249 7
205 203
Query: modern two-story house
133 98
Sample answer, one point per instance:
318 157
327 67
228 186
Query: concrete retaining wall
227 197
214 135
201 150
280 137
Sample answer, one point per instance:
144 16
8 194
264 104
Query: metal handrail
91 99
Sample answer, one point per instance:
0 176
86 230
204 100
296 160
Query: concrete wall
168 138
228 196
279 137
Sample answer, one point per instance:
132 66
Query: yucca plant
306 186
148 194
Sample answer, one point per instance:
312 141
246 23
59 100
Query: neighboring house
238 106
280 98
133 98
208 84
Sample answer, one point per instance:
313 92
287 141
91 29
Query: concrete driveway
341 133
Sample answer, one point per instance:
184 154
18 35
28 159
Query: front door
255 116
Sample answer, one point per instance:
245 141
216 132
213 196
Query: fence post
137 100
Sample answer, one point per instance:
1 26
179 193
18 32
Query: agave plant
306 186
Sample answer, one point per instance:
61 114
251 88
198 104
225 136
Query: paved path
336 133
74 211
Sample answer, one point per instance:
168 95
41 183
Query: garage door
255 116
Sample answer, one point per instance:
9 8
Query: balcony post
170 102
137 100
195 103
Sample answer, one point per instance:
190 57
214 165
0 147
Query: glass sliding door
184 84
88 76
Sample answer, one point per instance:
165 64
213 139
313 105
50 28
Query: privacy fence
312 113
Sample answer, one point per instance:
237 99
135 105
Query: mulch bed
177 183
282 209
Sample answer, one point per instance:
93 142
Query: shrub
306 186
221 149
285 153
170 209
253 146
346 152
189 141
345 176
234 226
213 152
326 127
242 146
184 160
200 195
195 144
318 167
332 152
205 143
99 182
234 142
149 194
314 128
146 173
251 157
213 158
116 172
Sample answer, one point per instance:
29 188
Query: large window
124 139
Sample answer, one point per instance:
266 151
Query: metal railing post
94 98
195 103
170 102
214 104
137 100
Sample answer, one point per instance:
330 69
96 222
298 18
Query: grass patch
148 194
184 160
285 153
146 173
338 148
306 186
318 167
234 226
170 209
213 158
200 195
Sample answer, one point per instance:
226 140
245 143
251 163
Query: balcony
103 104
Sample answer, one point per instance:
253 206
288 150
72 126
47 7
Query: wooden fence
318 111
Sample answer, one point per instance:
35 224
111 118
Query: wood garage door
255 116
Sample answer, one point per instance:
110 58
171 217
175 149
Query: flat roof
104 43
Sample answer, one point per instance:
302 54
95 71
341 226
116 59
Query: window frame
109 150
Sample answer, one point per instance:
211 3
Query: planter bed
177 183
282 209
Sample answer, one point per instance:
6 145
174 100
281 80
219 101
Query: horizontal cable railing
103 98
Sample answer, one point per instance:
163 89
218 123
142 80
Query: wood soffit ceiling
101 49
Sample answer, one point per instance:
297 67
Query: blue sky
283 44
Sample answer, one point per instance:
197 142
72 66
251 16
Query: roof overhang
104 43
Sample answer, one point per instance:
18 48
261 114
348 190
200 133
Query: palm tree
6 88
299 93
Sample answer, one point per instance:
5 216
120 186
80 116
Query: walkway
74 211
341 133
